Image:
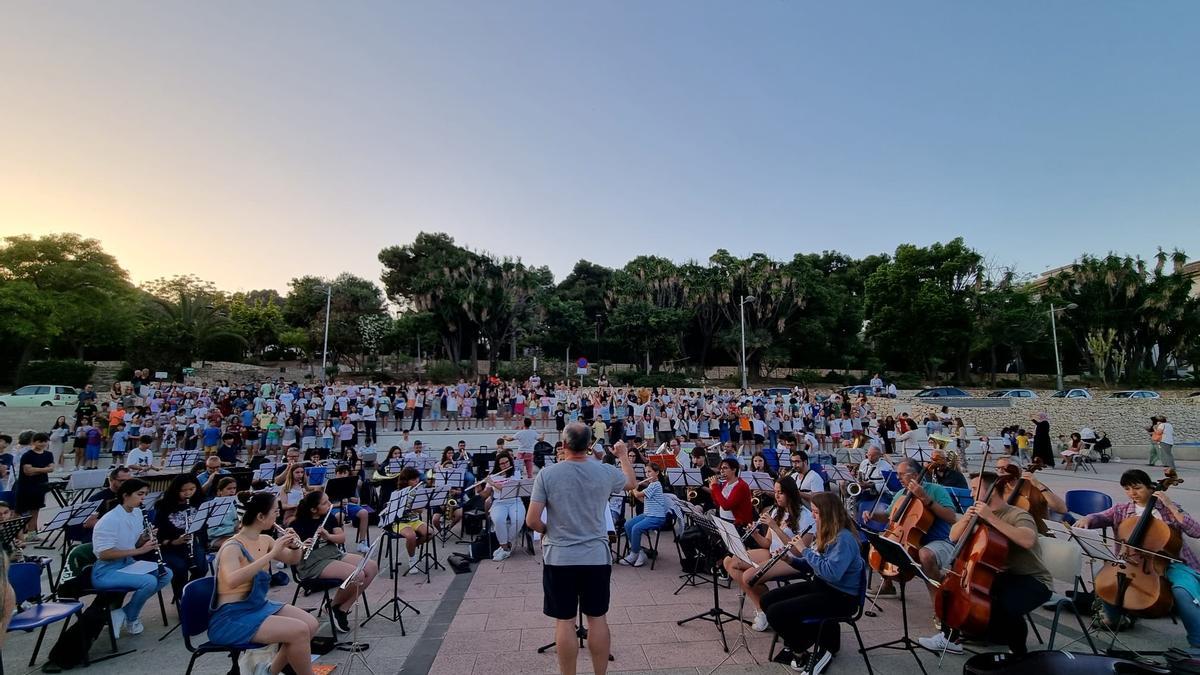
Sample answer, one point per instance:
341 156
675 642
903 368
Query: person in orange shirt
746 432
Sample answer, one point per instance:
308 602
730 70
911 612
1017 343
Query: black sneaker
340 619
817 662
784 656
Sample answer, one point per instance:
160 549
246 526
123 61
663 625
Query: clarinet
162 566
776 557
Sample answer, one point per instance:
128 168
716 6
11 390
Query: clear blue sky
251 142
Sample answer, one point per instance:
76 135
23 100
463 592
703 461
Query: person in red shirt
731 494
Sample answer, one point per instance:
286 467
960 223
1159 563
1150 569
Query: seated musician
447 463
295 486
172 513
835 566
1054 503
118 538
507 514
936 550
212 469
323 557
774 529
353 510
241 611
410 526
653 516
809 482
945 473
1021 587
870 471
730 494
700 461
1184 577
225 486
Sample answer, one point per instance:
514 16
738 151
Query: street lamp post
597 340
325 348
742 320
1054 336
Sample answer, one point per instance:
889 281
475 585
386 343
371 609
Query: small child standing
120 439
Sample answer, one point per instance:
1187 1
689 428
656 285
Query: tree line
933 312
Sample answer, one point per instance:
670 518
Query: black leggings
418 415
1014 596
786 607
369 426
183 570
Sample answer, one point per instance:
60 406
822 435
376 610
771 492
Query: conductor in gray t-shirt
575 577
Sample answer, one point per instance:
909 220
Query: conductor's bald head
577 437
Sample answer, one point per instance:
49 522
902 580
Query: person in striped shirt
654 514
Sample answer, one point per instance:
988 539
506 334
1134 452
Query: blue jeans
107 575
635 526
1187 611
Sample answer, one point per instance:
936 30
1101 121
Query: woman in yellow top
241 611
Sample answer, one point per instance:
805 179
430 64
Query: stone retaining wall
1124 420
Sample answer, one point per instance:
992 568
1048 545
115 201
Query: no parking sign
581 366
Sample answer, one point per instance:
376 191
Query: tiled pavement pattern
490 622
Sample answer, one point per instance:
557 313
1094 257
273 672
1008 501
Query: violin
1137 584
964 600
1028 497
909 524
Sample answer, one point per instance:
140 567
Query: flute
150 534
481 482
315 538
280 532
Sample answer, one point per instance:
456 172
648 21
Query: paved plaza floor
490 621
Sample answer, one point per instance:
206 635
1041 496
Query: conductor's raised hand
620 451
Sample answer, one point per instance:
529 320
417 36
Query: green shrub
441 372
907 381
65 371
519 370
673 380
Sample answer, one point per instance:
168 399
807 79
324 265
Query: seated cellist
1022 586
936 550
1184 577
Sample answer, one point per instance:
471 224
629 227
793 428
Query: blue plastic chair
27 585
316 475
821 472
892 481
193 617
1087 502
771 457
7 496
962 497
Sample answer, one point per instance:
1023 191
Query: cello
964 600
910 523
1025 496
1137 584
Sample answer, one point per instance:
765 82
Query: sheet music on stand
759 480
87 479
513 489
685 477
784 459
213 512
639 471
9 529
265 472
182 460
840 473
362 563
150 500
732 540
397 505
1092 544
392 467
73 515
450 476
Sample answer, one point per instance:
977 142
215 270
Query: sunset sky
248 143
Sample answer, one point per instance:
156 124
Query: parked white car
33 395
1072 393
1134 393
1012 393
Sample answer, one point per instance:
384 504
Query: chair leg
37 646
1083 629
1036 633
1058 607
862 648
657 538
192 663
162 607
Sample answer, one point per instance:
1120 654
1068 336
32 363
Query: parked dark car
942 392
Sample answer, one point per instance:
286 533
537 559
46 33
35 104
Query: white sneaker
363 547
135 627
760 622
940 643
118 621
507 553
498 555
641 559
628 560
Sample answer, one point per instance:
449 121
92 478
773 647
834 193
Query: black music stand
428 499
71 516
895 554
716 615
581 632
391 513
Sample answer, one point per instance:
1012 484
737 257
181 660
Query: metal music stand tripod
895 554
716 615
391 513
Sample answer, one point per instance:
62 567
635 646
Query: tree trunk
475 356
992 365
647 361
